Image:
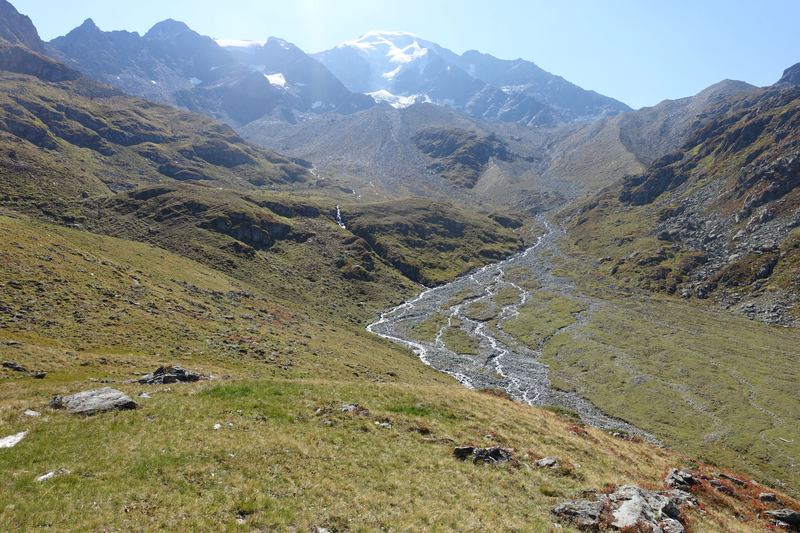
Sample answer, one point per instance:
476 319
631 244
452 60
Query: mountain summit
402 68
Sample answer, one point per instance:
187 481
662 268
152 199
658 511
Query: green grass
165 467
462 295
429 329
542 316
489 308
431 241
458 341
75 298
711 384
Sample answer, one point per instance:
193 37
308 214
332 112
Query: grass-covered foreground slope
88 309
94 306
284 456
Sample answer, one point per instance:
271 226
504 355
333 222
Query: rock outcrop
629 507
173 374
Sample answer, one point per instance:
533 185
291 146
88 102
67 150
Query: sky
637 51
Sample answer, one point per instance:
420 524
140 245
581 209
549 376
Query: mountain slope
522 77
726 202
373 153
600 153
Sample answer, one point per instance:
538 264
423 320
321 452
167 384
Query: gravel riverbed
501 362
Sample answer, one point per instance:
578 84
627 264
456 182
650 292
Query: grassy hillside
86 302
133 235
433 242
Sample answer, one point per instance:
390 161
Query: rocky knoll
174 374
629 507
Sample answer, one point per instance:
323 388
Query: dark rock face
309 81
94 401
22 60
526 79
173 374
175 65
459 156
18 29
730 196
786 516
791 77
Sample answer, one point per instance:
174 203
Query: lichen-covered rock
547 462
629 507
787 516
680 497
582 513
661 505
492 456
97 400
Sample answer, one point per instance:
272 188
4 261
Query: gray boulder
629 507
95 401
660 505
680 479
547 462
680 497
173 374
633 511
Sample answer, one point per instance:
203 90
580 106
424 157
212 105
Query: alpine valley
373 262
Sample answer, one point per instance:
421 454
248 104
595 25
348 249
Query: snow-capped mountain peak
389 61
398 47
243 46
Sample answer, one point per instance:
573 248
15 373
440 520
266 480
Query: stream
500 362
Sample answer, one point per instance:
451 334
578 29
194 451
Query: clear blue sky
638 51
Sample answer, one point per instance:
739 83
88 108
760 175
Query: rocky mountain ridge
729 197
175 65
